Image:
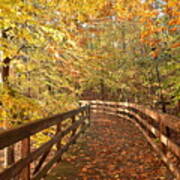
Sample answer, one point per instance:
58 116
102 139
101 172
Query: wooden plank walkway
112 149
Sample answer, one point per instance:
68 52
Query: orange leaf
154 54
175 45
173 29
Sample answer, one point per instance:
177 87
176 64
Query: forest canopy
54 52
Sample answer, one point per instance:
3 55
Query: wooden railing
161 130
25 168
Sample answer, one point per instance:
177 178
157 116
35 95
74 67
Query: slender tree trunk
123 38
178 106
163 103
9 151
102 90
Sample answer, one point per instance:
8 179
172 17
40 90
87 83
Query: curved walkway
111 149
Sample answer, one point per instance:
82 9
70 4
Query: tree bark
9 151
102 90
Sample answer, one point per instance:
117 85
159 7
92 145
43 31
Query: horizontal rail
142 117
170 165
16 168
166 141
21 168
14 135
55 158
169 120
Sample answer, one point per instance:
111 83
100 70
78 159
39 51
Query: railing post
25 150
161 130
58 145
8 151
73 121
89 114
8 156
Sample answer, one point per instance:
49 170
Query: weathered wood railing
23 169
161 130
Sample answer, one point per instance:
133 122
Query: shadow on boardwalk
111 149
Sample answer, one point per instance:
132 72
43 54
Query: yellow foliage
173 3
16 109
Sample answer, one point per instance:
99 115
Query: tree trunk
9 151
162 100
123 38
102 90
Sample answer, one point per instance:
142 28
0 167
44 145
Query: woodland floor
111 149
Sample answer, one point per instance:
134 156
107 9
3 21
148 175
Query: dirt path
111 149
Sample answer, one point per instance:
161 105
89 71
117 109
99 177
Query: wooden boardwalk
118 145
111 149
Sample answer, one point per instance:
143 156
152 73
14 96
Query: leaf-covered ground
112 148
